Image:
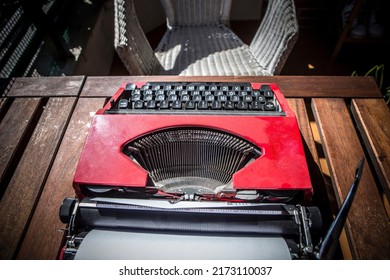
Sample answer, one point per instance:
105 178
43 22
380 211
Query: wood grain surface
46 86
23 190
43 237
372 117
291 86
320 189
368 226
13 127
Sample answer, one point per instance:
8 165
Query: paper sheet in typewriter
111 244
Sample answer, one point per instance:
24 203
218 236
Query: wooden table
44 123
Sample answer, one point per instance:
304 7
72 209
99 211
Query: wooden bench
44 123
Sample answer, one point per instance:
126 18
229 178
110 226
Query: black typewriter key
222 98
160 97
269 106
209 97
269 94
242 105
148 97
135 96
256 105
207 92
190 104
191 87
256 93
151 104
179 87
235 98
176 104
216 105
172 97
195 92
123 103
202 87
264 88
185 97
260 98
236 88
247 98
139 104
197 98
203 105
130 87
164 104
229 105
230 93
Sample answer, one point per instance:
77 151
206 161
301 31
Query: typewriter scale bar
197 99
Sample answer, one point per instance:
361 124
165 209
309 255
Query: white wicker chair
198 41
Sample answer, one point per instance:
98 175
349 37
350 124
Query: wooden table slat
291 86
319 188
299 108
24 188
12 129
367 225
38 244
46 86
373 120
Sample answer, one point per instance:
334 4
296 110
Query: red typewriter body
280 167
200 165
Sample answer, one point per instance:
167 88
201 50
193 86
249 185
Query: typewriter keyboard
197 98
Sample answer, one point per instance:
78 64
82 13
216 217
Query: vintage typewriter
180 170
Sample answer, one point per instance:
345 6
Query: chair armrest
130 41
276 35
225 12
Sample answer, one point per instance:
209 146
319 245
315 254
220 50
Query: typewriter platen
193 165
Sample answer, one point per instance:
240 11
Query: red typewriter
196 165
